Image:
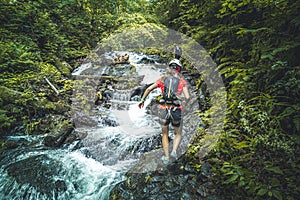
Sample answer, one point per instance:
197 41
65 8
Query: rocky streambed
104 146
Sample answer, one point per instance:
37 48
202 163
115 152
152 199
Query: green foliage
16 57
45 39
256 47
254 43
5 119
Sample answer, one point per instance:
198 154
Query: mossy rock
62 129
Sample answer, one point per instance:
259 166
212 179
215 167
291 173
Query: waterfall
104 156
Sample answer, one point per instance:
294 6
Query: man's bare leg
177 139
165 140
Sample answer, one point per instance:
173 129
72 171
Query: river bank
87 150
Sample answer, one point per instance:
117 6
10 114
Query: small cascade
123 133
121 95
121 100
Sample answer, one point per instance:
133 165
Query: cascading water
92 169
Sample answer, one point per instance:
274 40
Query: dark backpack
170 89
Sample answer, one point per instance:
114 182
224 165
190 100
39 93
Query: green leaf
296 121
275 182
277 194
242 183
231 179
262 192
270 193
276 170
231 7
241 145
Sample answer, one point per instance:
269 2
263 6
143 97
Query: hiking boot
165 160
173 154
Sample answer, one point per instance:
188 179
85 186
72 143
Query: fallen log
52 86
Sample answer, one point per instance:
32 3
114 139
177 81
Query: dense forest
254 43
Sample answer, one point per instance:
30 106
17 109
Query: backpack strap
170 96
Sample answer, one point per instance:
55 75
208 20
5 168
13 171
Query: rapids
90 168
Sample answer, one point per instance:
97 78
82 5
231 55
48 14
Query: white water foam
82 68
94 178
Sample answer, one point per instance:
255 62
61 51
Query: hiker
170 107
139 91
177 52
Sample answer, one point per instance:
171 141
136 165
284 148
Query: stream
91 167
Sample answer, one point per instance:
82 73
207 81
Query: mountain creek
114 151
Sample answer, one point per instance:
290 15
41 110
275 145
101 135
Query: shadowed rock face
175 181
139 91
37 172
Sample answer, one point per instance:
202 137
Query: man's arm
146 93
186 93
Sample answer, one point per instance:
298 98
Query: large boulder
35 172
175 181
61 130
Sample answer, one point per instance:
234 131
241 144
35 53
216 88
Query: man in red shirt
172 86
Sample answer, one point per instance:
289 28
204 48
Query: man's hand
141 104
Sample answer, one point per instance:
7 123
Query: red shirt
181 85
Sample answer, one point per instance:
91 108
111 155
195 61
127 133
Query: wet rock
84 120
37 173
106 121
99 59
75 136
150 161
146 60
103 61
139 91
150 186
60 185
163 184
48 123
151 59
128 82
206 171
59 134
188 168
118 70
102 148
7 145
108 67
11 144
93 70
145 144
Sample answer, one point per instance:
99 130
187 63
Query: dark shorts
171 115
